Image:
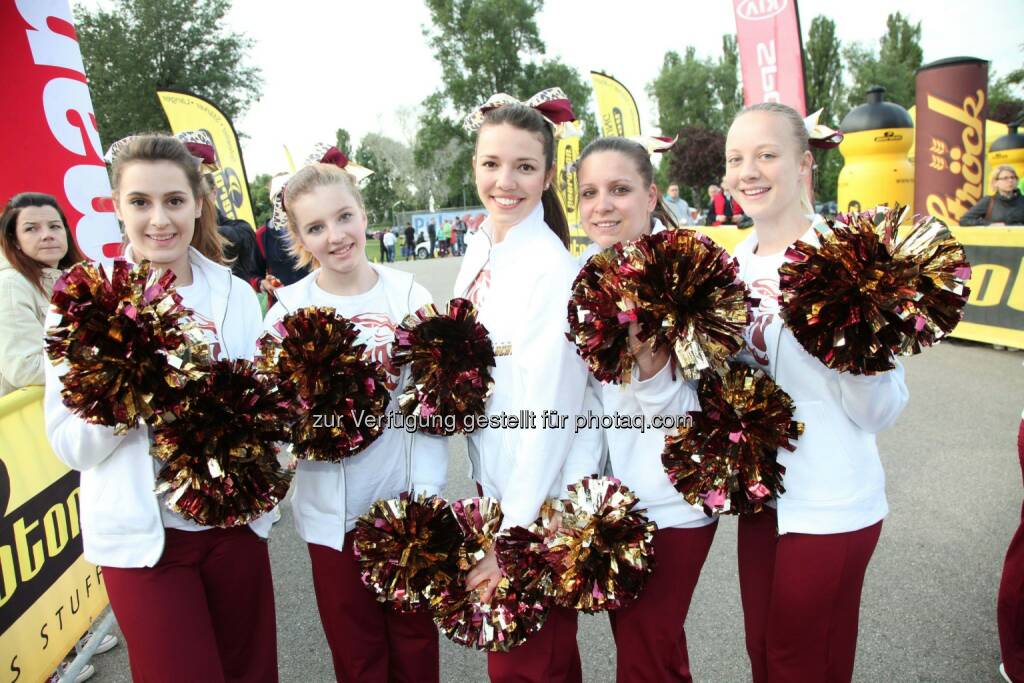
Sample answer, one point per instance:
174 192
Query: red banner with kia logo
49 135
771 53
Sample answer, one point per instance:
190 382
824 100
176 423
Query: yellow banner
49 594
616 107
568 191
189 112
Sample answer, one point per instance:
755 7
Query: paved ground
928 612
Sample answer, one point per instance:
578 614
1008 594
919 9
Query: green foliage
386 192
343 141
1006 96
141 46
259 194
823 67
697 160
690 91
894 67
484 47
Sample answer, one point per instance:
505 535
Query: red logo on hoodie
377 332
767 290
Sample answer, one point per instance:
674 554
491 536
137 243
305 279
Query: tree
698 159
259 194
484 47
387 191
343 141
691 91
141 46
895 66
1006 96
823 67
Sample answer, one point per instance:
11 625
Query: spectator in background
677 205
724 210
853 207
461 242
37 245
410 242
388 240
432 236
278 264
1004 207
446 238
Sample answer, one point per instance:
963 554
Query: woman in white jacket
369 641
802 564
194 603
519 272
37 244
619 202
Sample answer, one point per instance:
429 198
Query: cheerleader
802 564
195 603
369 640
518 272
619 202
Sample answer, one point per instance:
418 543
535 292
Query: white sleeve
21 345
79 444
553 378
874 402
587 453
665 394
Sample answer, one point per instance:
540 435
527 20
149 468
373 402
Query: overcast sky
355 63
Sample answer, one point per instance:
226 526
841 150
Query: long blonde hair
303 182
798 132
158 147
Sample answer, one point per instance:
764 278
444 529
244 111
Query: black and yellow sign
49 594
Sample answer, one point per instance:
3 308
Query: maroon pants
801 599
1010 606
370 641
650 638
205 612
548 656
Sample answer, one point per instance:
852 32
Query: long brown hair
158 147
636 153
31 269
524 118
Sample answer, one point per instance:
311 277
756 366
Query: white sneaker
108 643
1002 672
85 674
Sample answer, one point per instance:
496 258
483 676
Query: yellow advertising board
49 594
616 107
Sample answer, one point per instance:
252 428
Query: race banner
568 191
49 126
186 111
771 52
615 106
949 138
49 594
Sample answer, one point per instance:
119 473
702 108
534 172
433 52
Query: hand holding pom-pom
689 297
219 456
340 396
601 551
869 293
408 549
127 341
451 358
510 616
727 459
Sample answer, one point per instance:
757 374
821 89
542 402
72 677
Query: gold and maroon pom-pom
688 295
601 550
340 396
219 456
870 293
510 616
521 552
126 341
727 459
598 319
408 549
451 358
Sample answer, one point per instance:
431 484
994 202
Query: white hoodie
121 519
834 480
635 454
319 489
531 276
